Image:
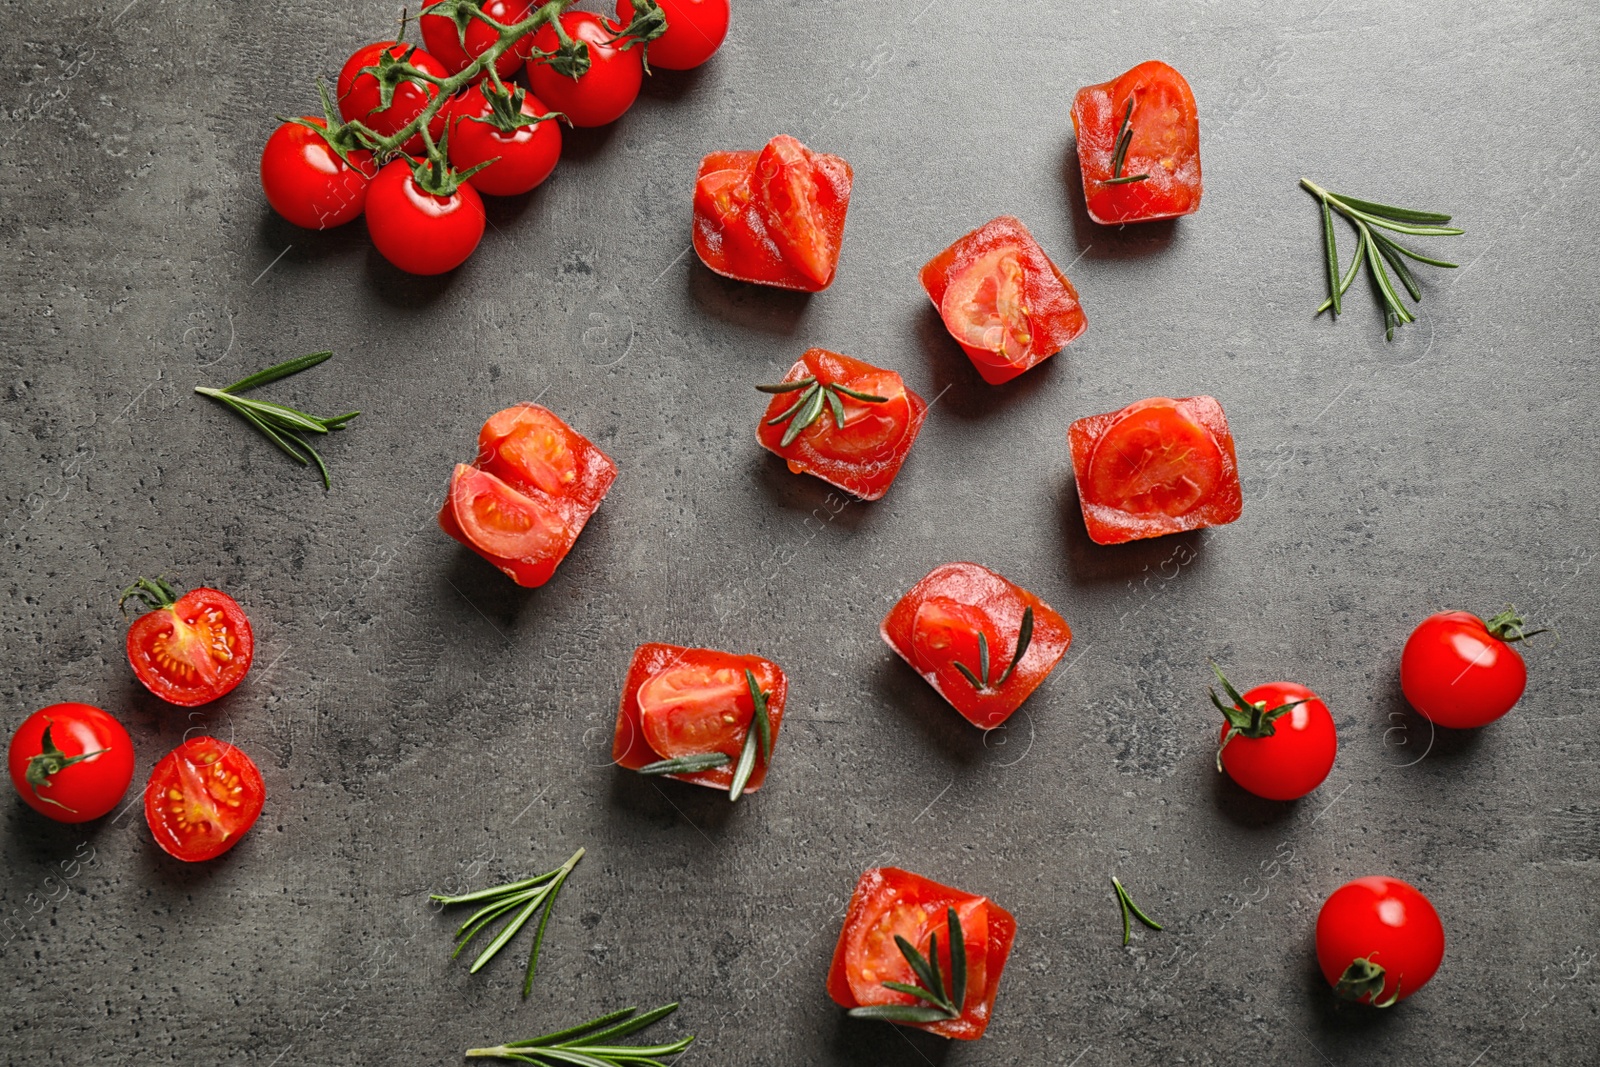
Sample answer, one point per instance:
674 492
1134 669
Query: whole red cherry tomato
419 231
456 45
1278 740
360 94
201 799
1461 671
695 29
493 128
1379 940
190 649
72 762
307 181
589 79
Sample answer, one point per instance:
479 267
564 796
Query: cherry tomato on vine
360 93
1278 740
695 30
72 762
518 158
308 182
1460 671
190 649
444 36
1379 940
418 231
593 91
201 799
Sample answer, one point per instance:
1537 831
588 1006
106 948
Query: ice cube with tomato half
1158 466
984 643
876 978
1003 300
522 503
1139 146
773 217
696 714
844 420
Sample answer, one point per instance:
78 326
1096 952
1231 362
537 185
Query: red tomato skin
91 788
1299 754
1165 145
738 244
1055 314
359 93
867 477
695 30
443 40
200 754
418 232
307 183
1109 525
1386 921
595 473
631 749
154 626
1457 674
610 86
523 159
1001 602
879 882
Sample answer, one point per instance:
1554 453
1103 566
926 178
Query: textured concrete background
424 724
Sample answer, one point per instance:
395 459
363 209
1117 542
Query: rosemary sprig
757 745
280 424
946 1000
807 408
980 680
524 898
1245 719
1119 154
592 1044
1376 249
1127 905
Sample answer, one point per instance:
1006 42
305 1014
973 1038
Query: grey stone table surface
422 723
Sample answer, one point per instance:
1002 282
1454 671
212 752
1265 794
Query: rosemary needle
279 423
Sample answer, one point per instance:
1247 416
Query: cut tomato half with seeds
687 711
986 306
500 520
202 798
190 649
1155 459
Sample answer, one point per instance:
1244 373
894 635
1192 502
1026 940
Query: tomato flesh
193 651
418 232
1156 467
606 90
1165 145
863 456
1458 674
1003 300
1387 922
773 217
889 901
519 160
360 95
936 626
74 789
680 701
1298 755
307 183
201 799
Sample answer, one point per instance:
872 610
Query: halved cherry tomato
692 701
360 95
201 799
71 762
889 901
307 182
936 629
1379 940
774 217
518 159
190 649
1461 671
606 90
695 29
1164 146
417 231
862 456
1002 299
1292 760
535 483
1156 467
456 47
